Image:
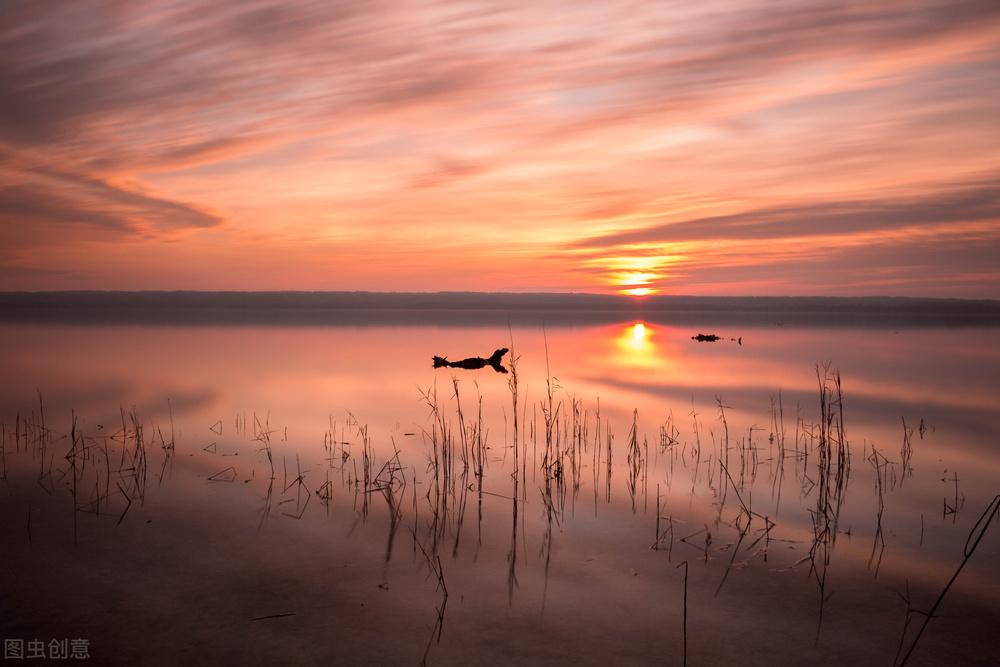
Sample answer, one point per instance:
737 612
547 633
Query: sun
635 276
636 283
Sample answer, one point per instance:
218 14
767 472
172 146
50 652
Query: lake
306 490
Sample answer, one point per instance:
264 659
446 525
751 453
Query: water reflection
640 334
636 347
657 430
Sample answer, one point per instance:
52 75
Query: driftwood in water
711 338
472 363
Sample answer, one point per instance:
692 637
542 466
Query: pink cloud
435 144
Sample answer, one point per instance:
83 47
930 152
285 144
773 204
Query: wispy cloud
494 145
975 202
45 206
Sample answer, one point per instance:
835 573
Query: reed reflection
726 438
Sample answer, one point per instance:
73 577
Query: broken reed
976 534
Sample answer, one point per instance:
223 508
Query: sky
759 147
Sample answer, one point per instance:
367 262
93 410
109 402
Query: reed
685 614
976 534
727 467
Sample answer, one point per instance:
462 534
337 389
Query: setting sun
637 277
636 283
640 291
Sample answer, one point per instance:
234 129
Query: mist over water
318 491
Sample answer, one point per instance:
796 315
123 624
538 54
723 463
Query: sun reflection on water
636 345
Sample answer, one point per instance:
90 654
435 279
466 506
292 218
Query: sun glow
637 275
636 283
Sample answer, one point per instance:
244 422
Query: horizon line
604 295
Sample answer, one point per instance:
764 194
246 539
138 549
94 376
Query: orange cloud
814 147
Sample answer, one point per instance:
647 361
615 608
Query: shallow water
187 543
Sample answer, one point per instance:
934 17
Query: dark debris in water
475 363
711 338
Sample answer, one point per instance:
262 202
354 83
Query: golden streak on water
636 346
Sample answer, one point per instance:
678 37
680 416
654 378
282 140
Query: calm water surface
307 494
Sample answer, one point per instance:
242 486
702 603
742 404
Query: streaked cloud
731 147
976 202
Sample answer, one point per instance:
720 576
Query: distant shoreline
333 308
